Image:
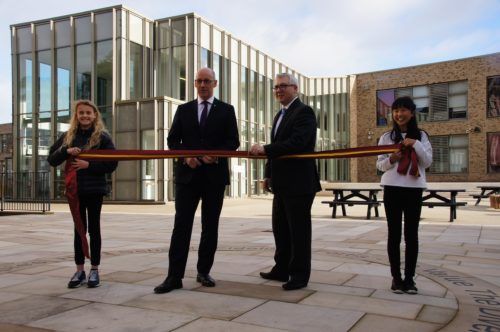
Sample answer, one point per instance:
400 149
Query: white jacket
391 177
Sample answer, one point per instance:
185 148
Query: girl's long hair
97 127
412 131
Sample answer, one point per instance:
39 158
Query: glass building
138 70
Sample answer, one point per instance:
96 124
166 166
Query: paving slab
457 274
109 318
293 317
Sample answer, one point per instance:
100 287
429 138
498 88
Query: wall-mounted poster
494 152
493 87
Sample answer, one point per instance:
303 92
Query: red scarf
409 160
74 204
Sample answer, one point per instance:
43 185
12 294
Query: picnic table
354 196
486 191
436 197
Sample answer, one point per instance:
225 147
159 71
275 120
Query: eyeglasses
206 81
282 87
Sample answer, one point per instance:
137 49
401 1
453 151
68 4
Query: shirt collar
290 103
210 100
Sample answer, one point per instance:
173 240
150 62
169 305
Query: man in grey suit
294 183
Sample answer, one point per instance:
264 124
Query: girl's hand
74 151
408 142
79 164
396 156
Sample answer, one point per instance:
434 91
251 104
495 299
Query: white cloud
314 37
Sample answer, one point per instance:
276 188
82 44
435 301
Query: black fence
25 191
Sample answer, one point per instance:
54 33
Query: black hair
412 131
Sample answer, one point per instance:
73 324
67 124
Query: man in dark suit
205 123
294 183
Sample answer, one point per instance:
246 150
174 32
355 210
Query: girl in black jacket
86 131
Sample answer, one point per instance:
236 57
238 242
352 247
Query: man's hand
192 162
257 149
266 185
209 160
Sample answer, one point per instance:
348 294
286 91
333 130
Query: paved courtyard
458 276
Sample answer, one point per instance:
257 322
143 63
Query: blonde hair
98 125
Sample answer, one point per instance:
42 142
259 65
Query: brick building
458 104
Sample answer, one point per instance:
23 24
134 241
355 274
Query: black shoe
77 279
93 279
409 287
397 286
205 279
168 285
292 285
273 276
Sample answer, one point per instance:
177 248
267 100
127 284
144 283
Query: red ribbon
74 204
166 154
72 187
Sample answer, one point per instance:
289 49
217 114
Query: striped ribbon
119 155
103 155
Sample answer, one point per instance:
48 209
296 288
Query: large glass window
179 73
234 87
23 39
103 26
435 102
217 69
104 72
43 37
148 166
205 35
83 30
494 152
164 38
450 154
493 97
243 94
164 72
136 29
457 99
44 72
83 71
204 57
63 33
63 73
179 33
25 83
135 71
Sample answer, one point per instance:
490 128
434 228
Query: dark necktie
204 113
282 115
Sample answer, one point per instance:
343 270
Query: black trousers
292 235
90 212
399 202
186 202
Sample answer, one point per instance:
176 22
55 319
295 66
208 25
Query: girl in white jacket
404 181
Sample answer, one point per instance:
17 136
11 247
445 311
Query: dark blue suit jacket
296 134
221 133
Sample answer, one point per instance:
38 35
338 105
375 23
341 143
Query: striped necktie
282 115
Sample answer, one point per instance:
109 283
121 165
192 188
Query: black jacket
296 134
221 133
93 179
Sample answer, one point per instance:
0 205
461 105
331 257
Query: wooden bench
486 191
443 201
371 204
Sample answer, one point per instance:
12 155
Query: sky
318 38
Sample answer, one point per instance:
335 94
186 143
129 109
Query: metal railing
25 191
